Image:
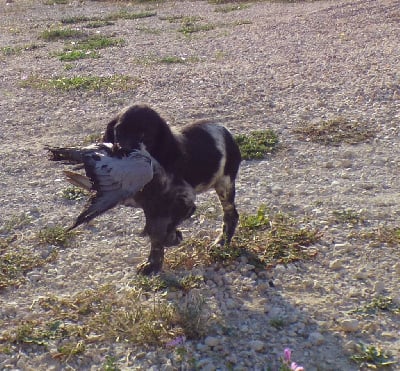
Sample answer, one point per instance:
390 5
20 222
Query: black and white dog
200 156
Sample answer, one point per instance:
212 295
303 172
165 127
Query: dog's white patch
217 133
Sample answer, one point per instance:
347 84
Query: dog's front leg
156 227
155 260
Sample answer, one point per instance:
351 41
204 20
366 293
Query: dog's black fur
198 157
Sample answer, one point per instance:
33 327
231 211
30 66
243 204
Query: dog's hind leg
225 189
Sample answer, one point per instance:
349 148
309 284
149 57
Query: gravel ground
275 65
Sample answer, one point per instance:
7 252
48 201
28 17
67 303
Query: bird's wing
114 179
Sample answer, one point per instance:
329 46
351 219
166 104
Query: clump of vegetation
348 216
74 323
335 132
257 144
266 240
74 194
231 7
191 25
382 234
58 236
372 357
88 83
380 303
277 238
62 34
88 48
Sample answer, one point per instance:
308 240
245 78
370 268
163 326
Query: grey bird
113 174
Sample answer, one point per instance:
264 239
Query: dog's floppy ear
108 136
168 151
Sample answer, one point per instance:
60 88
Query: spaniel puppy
200 156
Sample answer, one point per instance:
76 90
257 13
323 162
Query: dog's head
140 127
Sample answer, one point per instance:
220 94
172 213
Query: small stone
379 287
361 274
257 345
316 338
349 325
336 264
276 190
211 341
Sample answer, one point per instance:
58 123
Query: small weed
110 364
372 357
278 323
76 19
257 221
172 59
17 222
335 132
98 23
70 349
347 216
231 8
149 283
129 15
74 55
15 50
382 234
61 34
88 83
380 303
16 261
57 236
55 2
190 25
74 194
257 144
88 48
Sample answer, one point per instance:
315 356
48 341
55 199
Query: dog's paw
220 240
147 269
174 238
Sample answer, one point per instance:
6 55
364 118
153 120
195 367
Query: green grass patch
379 304
129 15
15 50
380 235
372 356
191 25
56 235
16 260
88 83
62 34
347 216
73 324
88 47
265 239
74 194
335 132
257 144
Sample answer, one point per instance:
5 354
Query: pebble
349 325
257 345
211 341
316 338
336 264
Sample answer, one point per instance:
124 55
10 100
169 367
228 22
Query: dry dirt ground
252 66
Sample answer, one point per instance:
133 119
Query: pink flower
287 353
295 367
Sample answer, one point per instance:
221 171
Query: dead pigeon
115 175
